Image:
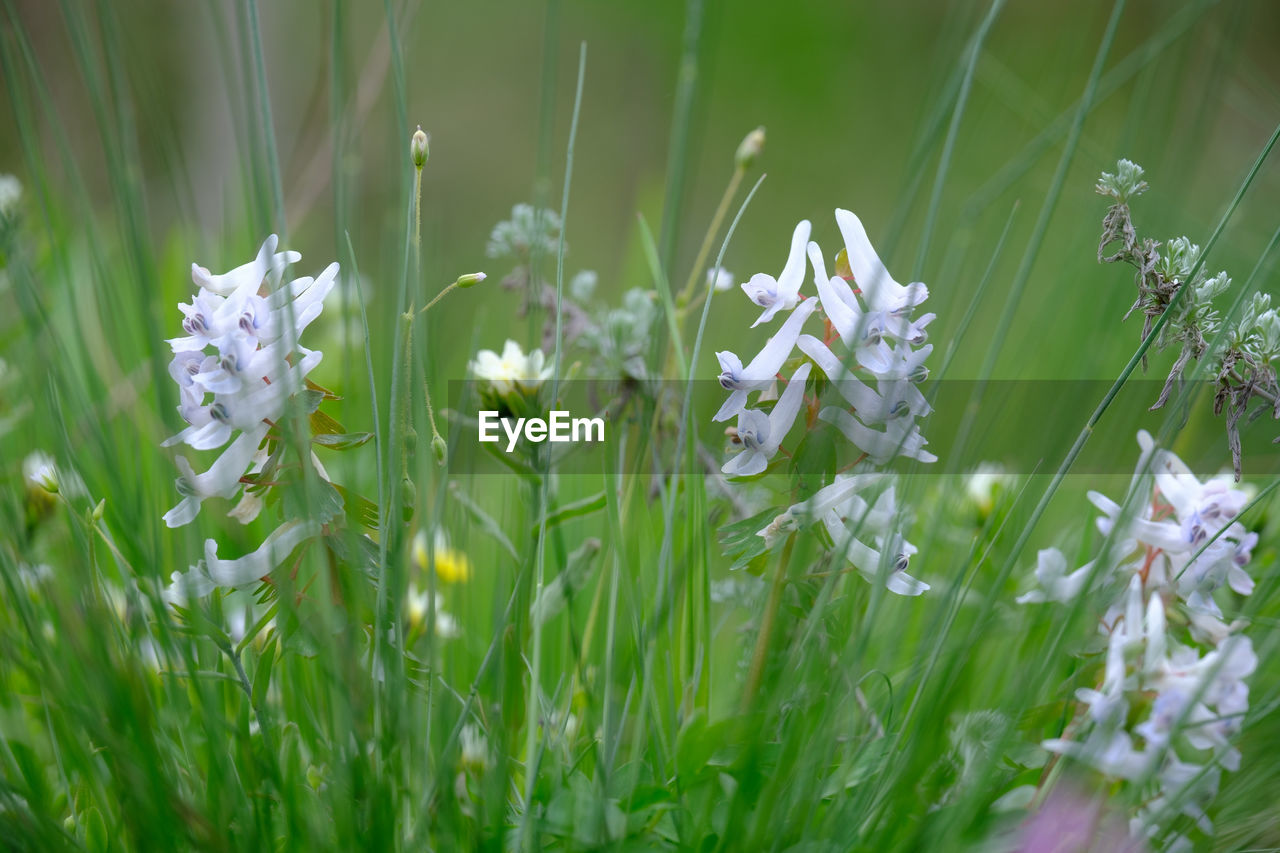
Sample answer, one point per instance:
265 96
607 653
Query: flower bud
749 150
419 150
471 279
440 449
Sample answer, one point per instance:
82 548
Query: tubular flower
1179 687
238 366
877 385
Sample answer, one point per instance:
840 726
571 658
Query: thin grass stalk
528 827
948 145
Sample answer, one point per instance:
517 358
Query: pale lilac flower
760 373
894 398
900 437
221 480
1055 583
213 572
781 293
1111 754
247 276
257 400
841 502
879 290
761 435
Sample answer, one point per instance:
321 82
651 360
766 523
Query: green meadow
885 583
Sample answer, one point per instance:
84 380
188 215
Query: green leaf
586 506
359 508
487 522
262 674
739 541
341 441
816 459
323 424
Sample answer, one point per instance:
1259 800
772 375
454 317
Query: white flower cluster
1178 546
874 325
236 369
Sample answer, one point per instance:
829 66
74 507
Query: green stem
686 295
528 823
761 655
441 295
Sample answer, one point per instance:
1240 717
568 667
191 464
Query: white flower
764 367
253 324
901 437
474 748
981 484
41 472
1110 754
512 370
720 279
879 290
840 502
1055 583
247 277
258 399
762 434
781 293
416 606
221 480
10 193
214 572
895 397
1109 705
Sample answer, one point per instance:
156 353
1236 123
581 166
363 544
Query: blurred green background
845 90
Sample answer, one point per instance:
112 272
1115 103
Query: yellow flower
452 566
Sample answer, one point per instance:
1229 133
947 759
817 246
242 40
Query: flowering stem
441 295
686 298
758 658
528 821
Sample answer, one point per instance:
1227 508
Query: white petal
257 564
732 407
746 464
792 275
777 349
784 412
879 290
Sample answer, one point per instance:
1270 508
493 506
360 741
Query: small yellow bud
471 279
419 149
749 150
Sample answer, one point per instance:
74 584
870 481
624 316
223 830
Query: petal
880 447
783 414
762 289
257 564
223 477
184 513
861 397
778 348
848 321
879 290
792 275
732 407
746 464
904 584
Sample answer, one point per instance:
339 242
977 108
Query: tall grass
670 702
